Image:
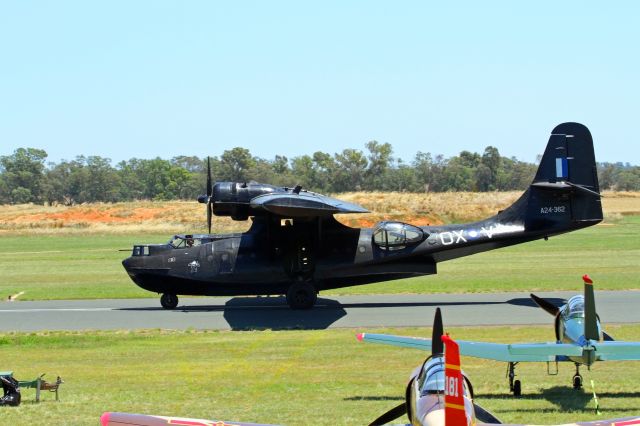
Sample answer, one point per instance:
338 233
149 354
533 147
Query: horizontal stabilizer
620 351
564 186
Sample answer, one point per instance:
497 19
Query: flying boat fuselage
296 247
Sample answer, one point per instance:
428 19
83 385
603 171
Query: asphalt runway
243 313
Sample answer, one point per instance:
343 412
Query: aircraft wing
303 204
625 421
402 341
127 419
527 352
617 350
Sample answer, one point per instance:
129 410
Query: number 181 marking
451 387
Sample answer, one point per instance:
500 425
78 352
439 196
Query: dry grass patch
189 217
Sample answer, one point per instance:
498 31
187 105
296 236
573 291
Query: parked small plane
296 247
438 394
579 339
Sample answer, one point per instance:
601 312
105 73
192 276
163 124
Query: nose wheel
577 378
169 301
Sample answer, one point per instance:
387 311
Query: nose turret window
140 251
396 235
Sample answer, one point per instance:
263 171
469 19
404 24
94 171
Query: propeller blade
209 199
209 188
547 306
390 415
590 317
437 347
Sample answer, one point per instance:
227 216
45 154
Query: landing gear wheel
577 381
169 301
301 295
514 385
517 388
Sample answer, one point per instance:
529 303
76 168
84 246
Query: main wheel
517 388
577 382
301 295
169 301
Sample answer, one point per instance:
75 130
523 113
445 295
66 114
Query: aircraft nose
127 263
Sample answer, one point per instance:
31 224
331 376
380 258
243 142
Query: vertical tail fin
569 158
565 193
454 411
590 317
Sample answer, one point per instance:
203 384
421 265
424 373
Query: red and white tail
454 411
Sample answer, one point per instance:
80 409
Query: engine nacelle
233 198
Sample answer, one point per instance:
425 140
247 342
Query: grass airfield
76 266
287 377
295 377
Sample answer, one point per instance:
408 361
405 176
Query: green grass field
73 266
299 377
288 377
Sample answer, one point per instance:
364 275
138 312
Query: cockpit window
185 241
431 379
396 235
177 242
574 308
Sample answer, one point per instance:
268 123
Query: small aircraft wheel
517 388
169 301
577 382
301 295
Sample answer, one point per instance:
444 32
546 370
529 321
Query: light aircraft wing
527 352
617 350
626 421
402 341
303 204
128 419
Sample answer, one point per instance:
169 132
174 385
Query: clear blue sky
124 79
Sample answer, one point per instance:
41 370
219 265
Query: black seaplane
295 247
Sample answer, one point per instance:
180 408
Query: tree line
26 177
